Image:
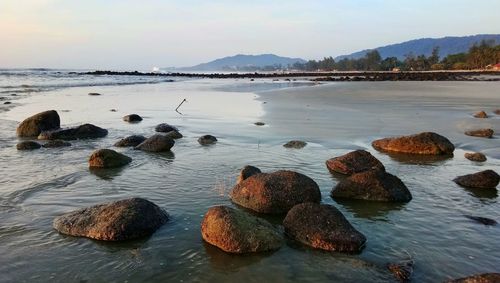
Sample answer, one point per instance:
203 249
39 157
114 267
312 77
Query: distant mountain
447 45
243 62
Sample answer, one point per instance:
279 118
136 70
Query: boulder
85 131
481 133
487 179
132 118
28 145
56 143
323 227
234 231
174 135
165 128
276 192
134 140
426 143
115 221
372 185
475 156
295 144
207 139
478 278
354 162
480 114
246 172
107 158
34 125
156 143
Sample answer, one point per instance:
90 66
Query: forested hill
447 45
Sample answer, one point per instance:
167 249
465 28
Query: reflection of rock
56 144
115 221
34 125
235 231
207 139
295 144
481 133
106 173
156 143
374 210
324 227
480 114
354 162
28 145
416 159
482 193
426 143
107 158
487 179
133 140
276 192
246 172
479 278
475 156
230 262
482 220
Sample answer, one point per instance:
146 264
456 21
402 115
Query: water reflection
372 210
418 159
107 174
484 194
227 262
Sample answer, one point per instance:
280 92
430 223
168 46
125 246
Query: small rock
402 270
85 131
116 221
134 140
259 123
28 145
132 118
246 172
165 128
373 185
113 110
487 179
174 135
56 143
156 143
323 227
276 192
482 133
7 102
478 278
13 94
482 220
426 143
94 93
354 162
34 125
295 144
207 139
475 156
108 158
235 231
480 114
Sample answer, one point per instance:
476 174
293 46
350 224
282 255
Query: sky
126 35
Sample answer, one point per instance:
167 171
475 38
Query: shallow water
36 186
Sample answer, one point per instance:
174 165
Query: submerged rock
165 128
402 271
156 143
115 221
323 227
275 192
478 278
480 114
85 131
475 156
426 143
487 179
56 143
482 220
235 231
34 125
133 140
132 118
481 133
107 158
373 185
295 144
207 139
28 145
354 162
174 135
246 172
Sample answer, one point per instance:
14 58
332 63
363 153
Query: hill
447 45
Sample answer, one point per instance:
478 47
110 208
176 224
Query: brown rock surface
426 143
354 162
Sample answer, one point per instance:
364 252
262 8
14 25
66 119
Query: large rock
56 143
134 140
28 145
246 172
426 143
481 133
295 144
107 158
374 185
480 114
354 162
323 227
156 143
85 131
34 125
207 139
475 156
479 278
234 231
275 192
115 221
165 128
487 179
132 118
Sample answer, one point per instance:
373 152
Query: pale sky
125 34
